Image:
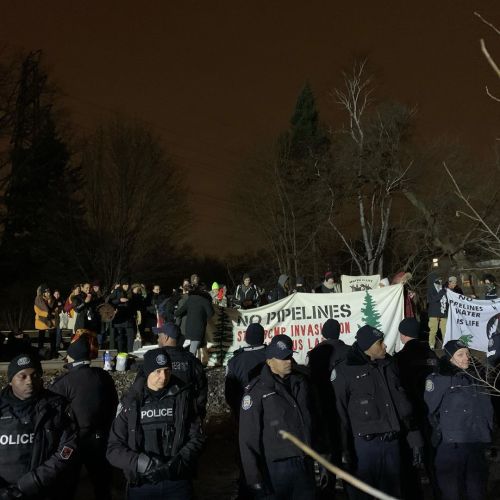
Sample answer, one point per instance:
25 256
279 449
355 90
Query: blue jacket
460 409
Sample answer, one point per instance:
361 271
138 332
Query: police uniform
415 362
92 394
461 414
37 442
246 364
187 368
375 414
322 361
156 437
274 466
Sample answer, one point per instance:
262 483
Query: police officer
246 364
37 436
322 360
375 413
278 399
185 366
156 437
415 361
461 414
92 394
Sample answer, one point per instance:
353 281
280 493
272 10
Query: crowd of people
388 420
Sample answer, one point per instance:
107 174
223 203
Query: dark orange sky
216 79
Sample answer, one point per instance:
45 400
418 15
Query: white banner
473 321
302 315
359 283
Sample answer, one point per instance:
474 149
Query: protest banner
359 283
475 322
302 315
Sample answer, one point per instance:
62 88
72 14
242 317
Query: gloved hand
418 457
151 469
259 491
347 461
322 477
10 493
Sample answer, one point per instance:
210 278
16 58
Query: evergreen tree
223 338
39 206
369 311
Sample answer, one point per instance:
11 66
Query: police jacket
92 394
322 360
460 409
271 404
370 399
245 365
172 415
187 368
324 357
415 362
37 444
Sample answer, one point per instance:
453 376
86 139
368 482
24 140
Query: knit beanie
169 329
410 327
367 336
452 346
80 349
22 362
331 329
215 285
254 334
155 359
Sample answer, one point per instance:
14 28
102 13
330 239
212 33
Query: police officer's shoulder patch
429 385
66 452
247 402
333 375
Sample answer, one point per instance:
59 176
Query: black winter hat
367 336
169 329
80 349
452 346
254 334
410 327
155 359
280 347
299 281
22 362
331 329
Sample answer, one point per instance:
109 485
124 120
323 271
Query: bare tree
376 167
133 200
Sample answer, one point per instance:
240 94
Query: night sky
218 79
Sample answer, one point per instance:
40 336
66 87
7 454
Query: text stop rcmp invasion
301 316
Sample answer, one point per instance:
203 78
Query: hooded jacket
460 410
279 292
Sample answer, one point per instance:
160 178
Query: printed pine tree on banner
370 314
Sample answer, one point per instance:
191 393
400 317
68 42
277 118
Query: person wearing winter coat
328 285
156 437
461 416
85 305
45 318
38 441
282 289
246 295
198 310
437 307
